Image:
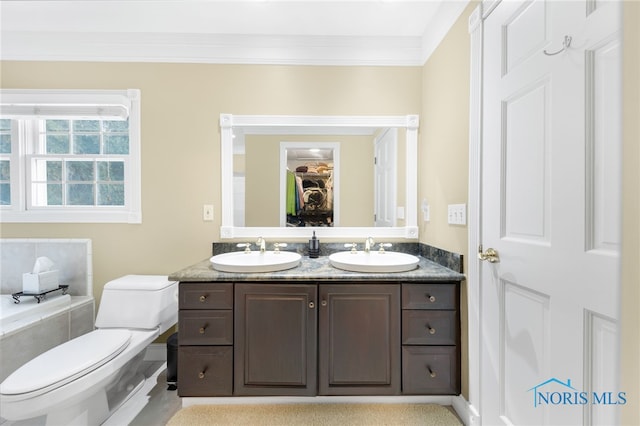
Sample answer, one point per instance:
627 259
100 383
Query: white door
385 187
550 202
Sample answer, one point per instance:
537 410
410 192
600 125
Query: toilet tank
139 301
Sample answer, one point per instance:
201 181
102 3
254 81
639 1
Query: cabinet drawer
429 327
205 371
206 327
430 370
429 296
206 296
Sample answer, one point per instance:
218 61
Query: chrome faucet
276 247
262 243
352 246
247 247
367 244
382 246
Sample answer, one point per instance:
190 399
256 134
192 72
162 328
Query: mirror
366 185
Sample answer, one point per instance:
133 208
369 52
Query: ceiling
313 32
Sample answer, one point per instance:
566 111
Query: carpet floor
316 414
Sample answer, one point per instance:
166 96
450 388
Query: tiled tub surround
32 328
71 257
335 332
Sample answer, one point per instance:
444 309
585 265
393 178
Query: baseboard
434 399
156 352
467 412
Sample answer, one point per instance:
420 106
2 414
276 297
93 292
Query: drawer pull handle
201 375
202 330
431 329
312 305
432 373
431 298
203 298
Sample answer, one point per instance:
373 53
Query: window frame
64 104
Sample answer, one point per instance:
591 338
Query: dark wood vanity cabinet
430 339
310 338
205 339
359 339
275 339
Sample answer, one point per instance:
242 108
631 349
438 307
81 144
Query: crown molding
211 48
175 47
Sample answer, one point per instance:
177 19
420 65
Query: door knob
490 254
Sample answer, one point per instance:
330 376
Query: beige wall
443 157
181 104
630 292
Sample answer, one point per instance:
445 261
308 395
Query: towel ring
565 45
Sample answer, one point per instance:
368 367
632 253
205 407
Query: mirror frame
271 123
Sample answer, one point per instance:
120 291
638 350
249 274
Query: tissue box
39 283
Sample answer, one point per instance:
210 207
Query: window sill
70 216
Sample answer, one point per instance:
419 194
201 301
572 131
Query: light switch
457 214
207 212
426 210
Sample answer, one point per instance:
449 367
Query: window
71 156
6 151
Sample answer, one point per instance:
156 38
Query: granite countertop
318 269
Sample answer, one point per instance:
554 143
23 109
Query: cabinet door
275 339
359 339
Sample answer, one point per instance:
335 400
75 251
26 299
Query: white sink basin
255 261
373 261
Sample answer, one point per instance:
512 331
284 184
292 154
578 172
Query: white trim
274 124
448 13
212 48
475 185
395 399
467 412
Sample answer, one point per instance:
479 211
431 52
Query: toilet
85 379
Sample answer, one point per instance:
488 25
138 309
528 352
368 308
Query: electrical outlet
457 214
207 212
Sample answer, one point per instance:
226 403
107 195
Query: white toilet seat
66 362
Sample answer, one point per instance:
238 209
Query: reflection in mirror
360 178
309 173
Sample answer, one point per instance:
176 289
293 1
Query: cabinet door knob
323 303
201 375
431 298
431 329
202 329
432 373
203 298
312 305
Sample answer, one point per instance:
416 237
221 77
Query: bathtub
29 328
29 310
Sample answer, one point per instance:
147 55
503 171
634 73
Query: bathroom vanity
317 330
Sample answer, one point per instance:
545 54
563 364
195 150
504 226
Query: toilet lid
67 362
